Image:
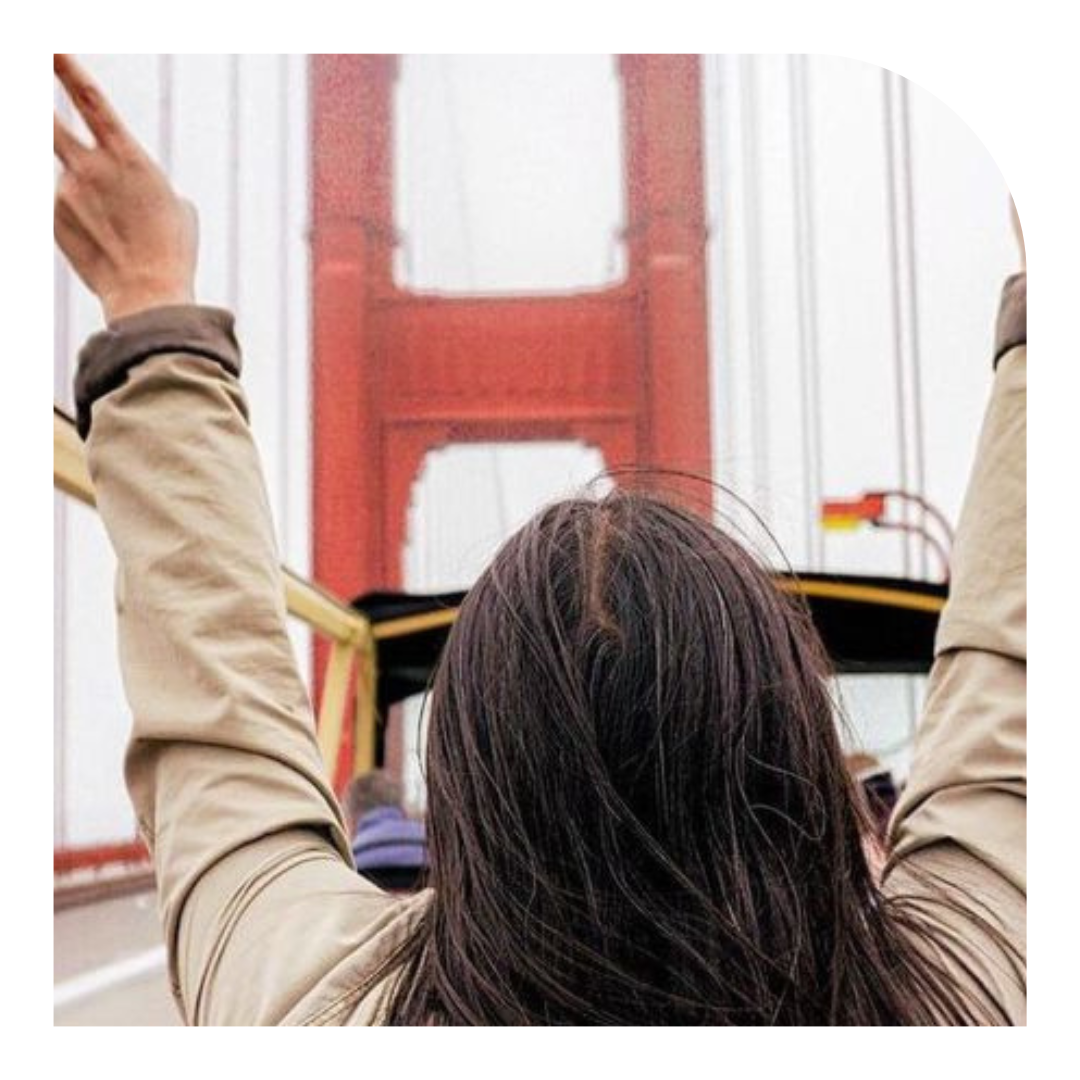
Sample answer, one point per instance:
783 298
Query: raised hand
127 234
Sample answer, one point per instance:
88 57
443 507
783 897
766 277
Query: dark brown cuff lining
108 356
1012 316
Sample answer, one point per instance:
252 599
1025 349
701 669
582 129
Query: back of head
638 808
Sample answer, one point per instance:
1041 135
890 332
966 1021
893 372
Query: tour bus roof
870 625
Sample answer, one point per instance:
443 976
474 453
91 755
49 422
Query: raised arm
265 918
962 820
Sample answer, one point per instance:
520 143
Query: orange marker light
848 514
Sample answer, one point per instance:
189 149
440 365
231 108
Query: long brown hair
638 808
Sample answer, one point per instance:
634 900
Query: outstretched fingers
92 104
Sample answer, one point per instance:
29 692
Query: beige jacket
266 920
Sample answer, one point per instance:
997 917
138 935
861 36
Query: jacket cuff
108 356
1012 316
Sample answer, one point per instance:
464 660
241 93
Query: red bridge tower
398 373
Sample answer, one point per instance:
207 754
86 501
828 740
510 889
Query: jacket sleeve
258 894
962 819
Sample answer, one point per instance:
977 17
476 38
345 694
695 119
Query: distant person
388 846
638 807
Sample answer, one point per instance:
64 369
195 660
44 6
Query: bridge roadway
109 965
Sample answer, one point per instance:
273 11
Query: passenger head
638 807
368 791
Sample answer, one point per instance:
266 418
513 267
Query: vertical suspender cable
918 418
907 357
752 245
807 305
723 360
915 353
895 277
724 232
